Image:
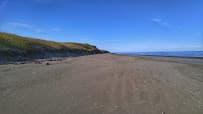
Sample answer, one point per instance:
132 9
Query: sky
114 25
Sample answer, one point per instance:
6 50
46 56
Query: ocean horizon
198 54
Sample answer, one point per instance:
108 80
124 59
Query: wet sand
103 84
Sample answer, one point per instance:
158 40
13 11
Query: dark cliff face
104 51
18 48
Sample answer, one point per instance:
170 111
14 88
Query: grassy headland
15 47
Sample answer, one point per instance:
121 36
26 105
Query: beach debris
47 63
37 62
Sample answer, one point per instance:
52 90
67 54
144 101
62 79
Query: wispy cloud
56 30
18 25
40 31
28 27
161 22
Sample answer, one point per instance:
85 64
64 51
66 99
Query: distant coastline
182 54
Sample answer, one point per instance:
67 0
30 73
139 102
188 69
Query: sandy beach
103 84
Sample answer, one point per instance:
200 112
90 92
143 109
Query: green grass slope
12 45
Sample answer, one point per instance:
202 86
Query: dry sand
103 84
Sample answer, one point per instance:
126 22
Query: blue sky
115 25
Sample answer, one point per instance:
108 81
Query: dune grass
12 45
12 41
80 46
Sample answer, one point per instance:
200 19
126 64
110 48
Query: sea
195 54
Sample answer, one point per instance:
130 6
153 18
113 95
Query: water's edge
181 54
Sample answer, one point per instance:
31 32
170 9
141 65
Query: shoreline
190 60
160 56
196 60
